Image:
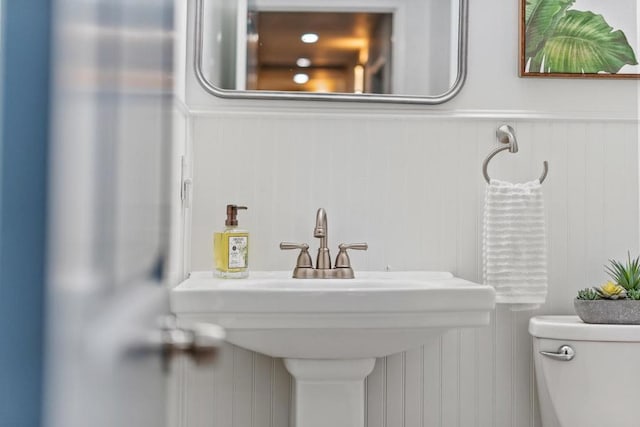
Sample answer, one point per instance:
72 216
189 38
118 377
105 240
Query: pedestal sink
330 331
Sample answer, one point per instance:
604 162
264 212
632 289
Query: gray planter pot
620 312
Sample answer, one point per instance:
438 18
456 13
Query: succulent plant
588 294
633 294
626 275
611 290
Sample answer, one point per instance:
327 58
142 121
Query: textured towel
514 243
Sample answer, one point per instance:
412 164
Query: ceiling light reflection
301 78
303 62
309 38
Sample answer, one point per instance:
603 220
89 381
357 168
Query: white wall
407 180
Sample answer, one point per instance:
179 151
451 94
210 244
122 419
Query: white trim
407 114
181 106
241 45
453 43
326 5
638 92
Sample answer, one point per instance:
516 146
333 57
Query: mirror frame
209 87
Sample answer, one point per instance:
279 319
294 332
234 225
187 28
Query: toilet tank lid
572 328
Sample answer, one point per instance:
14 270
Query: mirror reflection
319 51
392 47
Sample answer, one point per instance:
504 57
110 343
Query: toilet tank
600 386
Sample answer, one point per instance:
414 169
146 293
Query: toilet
587 375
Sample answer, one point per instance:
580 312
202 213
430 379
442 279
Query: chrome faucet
304 266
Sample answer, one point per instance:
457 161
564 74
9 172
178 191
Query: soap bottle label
238 249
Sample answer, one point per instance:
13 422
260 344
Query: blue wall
23 170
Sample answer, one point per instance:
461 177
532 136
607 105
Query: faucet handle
342 260
304 259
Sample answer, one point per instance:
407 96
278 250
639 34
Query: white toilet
588 375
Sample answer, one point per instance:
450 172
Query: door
108 213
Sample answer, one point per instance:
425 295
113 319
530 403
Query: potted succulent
617 301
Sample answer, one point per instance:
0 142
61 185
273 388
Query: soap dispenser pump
231 247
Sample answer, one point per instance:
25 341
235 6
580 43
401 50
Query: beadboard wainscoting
411 186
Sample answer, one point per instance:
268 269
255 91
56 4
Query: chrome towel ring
506 135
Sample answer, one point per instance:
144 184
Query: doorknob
199 341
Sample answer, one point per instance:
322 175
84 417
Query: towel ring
506 135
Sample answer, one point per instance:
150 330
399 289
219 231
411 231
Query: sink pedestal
329 392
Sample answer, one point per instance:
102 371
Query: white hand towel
514 243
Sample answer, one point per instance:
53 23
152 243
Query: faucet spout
321 224
320 231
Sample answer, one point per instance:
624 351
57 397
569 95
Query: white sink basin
329 331
373 315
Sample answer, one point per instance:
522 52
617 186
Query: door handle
199 341
565 353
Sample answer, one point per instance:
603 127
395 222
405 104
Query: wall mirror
400 51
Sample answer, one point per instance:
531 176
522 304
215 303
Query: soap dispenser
231 247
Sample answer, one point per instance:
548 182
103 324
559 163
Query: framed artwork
579 38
